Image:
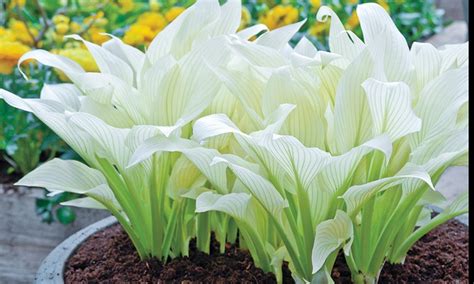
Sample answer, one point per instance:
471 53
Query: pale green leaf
330 235
64 175
390 107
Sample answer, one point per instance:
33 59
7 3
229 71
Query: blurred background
31 224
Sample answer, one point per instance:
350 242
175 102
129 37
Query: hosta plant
104 116
386 122
304 152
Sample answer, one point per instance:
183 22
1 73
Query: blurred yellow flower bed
44 24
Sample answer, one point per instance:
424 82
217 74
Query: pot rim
52 267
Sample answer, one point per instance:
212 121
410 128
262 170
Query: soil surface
7 179
109 257
441 256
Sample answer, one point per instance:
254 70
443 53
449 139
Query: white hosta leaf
279 38
327 58
449 142
202 159
64 175
341 168
91 84
259 187
52 114
97 86
306 48
184 177
433 166
66 94
109 141
178 37
329 77
259 55
186 91
356 196
352 120
229 19
294 86
194 193
299 162
390 106
454 56
234 204
439 103
199 156
387 45
219 124
251 31
341 41
213 125
106 112
330 235
159 144
459 206
68 66
432 197
275 120
100 197
84 202
154 76
107 62
129 54
427 61
140 133
277 258
247 86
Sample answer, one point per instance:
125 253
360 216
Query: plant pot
53 266
24 240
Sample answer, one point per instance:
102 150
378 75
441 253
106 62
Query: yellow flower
384 4
61 19
126 5
62 28
352 21
75 27
353 2
155 21
80 55
315 4
6 35
279 16
94 18
10 52
95 35
19 3
245 18
173 13
101 22
138 34
21 32
318 28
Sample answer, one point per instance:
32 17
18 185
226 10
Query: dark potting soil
109 257
7 179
